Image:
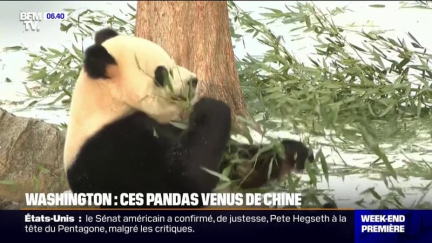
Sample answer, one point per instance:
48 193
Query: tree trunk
197 35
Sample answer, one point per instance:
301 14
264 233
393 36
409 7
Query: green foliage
345 84
357 94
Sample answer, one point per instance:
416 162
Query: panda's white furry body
120 139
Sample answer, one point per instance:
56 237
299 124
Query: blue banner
384 226
335 226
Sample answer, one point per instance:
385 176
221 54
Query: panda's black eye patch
161 76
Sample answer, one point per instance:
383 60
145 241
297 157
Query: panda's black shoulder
104 34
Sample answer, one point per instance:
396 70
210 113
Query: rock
31 152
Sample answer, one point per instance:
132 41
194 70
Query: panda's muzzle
188 92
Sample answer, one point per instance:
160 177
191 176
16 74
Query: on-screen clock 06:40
54 15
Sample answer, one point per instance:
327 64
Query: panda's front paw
210 111
296 155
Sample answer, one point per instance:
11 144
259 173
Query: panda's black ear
96 61
104 34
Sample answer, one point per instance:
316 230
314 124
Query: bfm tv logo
31 20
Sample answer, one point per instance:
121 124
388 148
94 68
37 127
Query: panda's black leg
203 144
260 167
296 154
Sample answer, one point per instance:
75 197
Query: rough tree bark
197 35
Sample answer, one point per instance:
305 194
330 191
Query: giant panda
121 137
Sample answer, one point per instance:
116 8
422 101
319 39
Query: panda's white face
147 78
